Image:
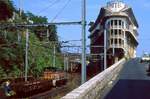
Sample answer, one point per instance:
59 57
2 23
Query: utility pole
54 55
19 36
105 50
64 62
83 80
26 54
67 62
65 65
20 14
47 34
20 7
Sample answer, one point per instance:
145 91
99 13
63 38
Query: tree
41 56
41 31
36 19
6 9
12 54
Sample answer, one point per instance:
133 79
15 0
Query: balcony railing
117 46
116 27
117 36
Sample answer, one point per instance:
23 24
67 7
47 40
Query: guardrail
92 88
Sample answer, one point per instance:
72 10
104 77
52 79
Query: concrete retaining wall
92 88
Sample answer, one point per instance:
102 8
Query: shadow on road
130 89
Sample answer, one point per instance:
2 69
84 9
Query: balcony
117 36
117 46
116 27
133 33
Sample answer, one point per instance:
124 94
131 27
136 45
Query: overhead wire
60 10
50 5
144 39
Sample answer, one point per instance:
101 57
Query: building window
119 41
112 23
115 22
111 41
122 24
116 32
111 32
119 22
116 41
120 33
109 24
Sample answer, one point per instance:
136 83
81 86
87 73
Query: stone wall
92 88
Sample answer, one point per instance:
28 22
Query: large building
117 20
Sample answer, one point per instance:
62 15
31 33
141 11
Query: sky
72 12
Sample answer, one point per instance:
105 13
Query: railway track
51 93
31 88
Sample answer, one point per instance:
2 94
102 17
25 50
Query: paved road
133 83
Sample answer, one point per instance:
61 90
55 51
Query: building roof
115 8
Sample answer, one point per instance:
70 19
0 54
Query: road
133 82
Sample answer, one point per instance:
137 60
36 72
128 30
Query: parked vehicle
145 58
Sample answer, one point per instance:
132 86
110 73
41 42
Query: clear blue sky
72 12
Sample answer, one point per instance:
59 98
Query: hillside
12 49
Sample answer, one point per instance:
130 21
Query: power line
61 10
143 39
50 5
17 25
